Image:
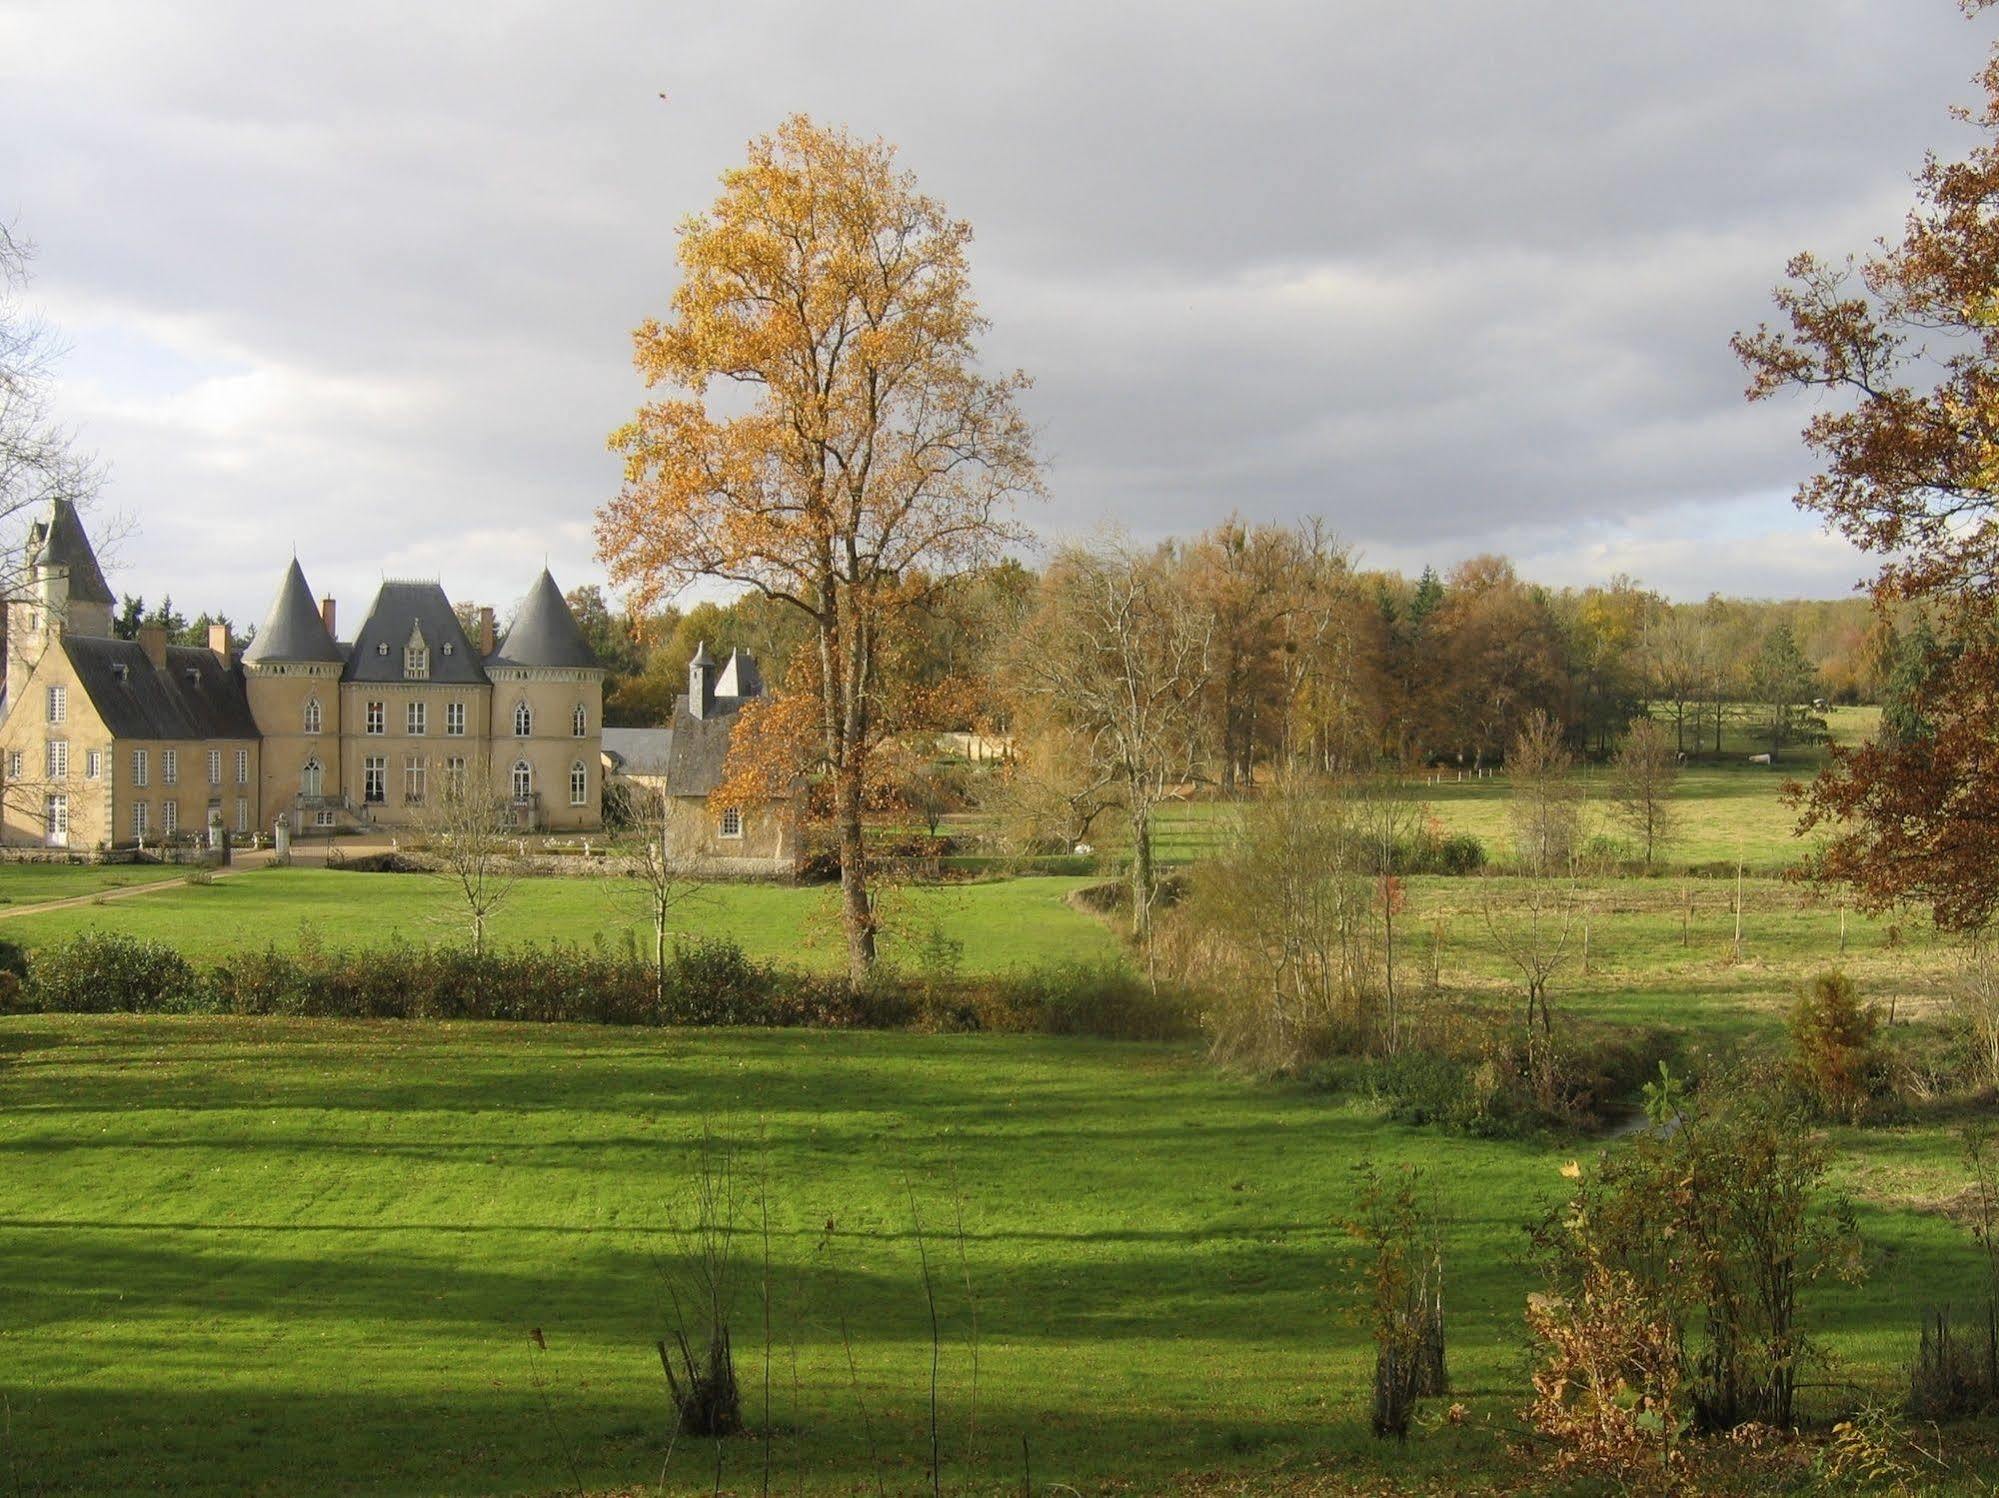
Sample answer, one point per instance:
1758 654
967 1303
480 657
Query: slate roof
398 608
294 630
194 696
640 751
544 632
700 746
62 543
740 677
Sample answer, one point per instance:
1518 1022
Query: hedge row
705 983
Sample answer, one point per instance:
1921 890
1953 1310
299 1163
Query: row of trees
1317 659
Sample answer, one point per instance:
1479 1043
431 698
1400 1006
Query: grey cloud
1445 273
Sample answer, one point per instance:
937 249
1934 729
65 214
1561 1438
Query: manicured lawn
295 1257
1001 924
32 883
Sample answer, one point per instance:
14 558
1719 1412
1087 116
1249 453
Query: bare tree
1641 785
39 462
1389 819
1546 805
663 873
1119 652
1536 935
1049 795
472 842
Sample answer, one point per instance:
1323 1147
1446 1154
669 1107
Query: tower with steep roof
65 594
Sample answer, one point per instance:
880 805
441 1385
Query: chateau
107 742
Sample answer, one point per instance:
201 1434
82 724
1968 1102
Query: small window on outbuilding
732 821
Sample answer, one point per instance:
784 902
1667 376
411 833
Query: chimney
153 640
701 682
326 616
218 641
486 642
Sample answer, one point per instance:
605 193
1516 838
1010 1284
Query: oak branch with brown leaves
834 295
1906 348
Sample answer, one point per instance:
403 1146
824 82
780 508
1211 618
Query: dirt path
122 892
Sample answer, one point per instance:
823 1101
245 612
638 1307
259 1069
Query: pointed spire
64 544
544 632
294 630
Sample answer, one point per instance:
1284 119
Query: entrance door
56 818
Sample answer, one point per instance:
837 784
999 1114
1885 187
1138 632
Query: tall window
169 817
414 769
375 779
312 715
579 721
58 704
58 759
13 764
454 775
416 662
242 813
93 763
139 827
376 717
55 814
215 767
523 721
170 766
523 780
310 779
416 719
454 719
732 821
142 768
242 766
579 785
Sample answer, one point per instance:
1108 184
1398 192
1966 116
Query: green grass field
292 1257
1001 923
1726 808
33 883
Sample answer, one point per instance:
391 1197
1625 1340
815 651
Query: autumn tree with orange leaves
834 296
1907 346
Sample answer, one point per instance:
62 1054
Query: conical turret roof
544 632
293 630
63 544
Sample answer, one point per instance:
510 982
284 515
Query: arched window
310 779
523 720
579 785
523 780
312 715
579 721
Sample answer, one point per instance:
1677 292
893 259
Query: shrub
1836 1051
106 972
1400 1283
708 982
1972 1013
1717 1221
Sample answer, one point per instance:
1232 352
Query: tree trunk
856 910
1141 874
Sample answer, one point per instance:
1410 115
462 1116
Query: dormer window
381 647
447 647
416 662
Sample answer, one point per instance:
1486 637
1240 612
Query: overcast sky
1456 275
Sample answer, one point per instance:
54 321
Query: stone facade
106 742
